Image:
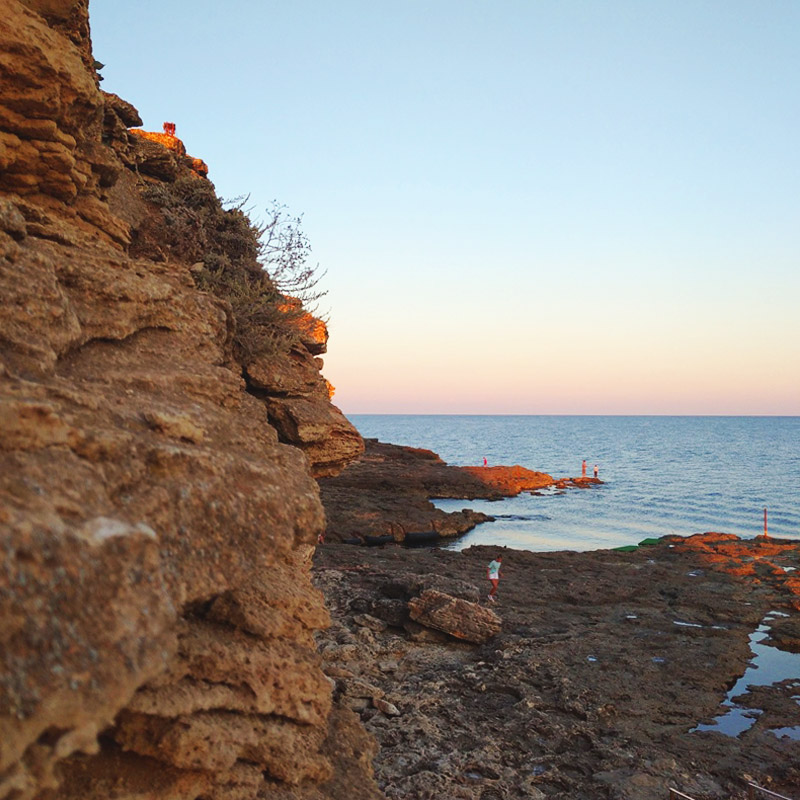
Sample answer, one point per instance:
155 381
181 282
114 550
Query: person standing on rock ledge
583 468
596 470
493 575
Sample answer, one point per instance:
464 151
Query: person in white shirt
493 576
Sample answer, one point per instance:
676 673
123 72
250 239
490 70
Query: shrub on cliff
253 267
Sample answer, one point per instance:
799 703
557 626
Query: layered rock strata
156 615
298 402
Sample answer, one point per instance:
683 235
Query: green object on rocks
628 548
649 541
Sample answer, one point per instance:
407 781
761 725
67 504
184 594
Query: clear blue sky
522 207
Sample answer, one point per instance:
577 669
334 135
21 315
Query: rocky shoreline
602 665
385 494
163 425
590 676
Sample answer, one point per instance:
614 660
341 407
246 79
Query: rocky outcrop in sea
385 495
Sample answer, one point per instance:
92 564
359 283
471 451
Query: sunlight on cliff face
169 140
313 331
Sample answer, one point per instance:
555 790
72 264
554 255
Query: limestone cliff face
156 614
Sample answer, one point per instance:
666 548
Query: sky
520 206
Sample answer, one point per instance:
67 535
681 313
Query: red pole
765 523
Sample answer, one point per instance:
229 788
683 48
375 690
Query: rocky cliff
158 442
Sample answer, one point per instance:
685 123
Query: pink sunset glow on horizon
519 355
587 377
465 400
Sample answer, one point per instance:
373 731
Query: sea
662 475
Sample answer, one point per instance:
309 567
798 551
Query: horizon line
555 414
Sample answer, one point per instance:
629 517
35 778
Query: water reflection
768 666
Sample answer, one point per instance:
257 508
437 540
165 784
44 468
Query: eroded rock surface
590 689
156 614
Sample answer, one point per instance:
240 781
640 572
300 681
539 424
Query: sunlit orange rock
313 331
582 482
762 559
510 481
200 167
169 140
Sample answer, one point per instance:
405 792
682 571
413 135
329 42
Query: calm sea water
664 475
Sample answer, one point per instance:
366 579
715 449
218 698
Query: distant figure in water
583 468
485 462
493 575
596 470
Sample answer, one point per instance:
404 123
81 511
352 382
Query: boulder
458 618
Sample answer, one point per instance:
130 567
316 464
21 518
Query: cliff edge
158 444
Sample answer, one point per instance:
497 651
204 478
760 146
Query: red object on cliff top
169 127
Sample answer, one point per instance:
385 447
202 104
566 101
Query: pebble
338 672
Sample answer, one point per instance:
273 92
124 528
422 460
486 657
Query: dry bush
254 267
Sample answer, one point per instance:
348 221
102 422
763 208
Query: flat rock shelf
589 689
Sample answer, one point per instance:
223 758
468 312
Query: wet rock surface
590 689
